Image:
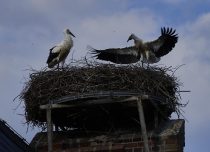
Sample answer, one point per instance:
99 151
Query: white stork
149 52
59 52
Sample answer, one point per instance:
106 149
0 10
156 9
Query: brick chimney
168 137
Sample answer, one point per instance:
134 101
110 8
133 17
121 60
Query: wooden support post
143 125
156 118
49 128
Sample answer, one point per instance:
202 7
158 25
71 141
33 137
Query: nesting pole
49 127
143 125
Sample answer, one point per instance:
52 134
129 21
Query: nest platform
96 92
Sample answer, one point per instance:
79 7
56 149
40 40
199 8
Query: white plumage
146 54
59 52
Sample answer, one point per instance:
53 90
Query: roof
10 140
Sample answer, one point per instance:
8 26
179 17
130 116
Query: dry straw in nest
84 76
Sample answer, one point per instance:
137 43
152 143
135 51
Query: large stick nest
85 76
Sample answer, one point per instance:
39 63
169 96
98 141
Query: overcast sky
28 28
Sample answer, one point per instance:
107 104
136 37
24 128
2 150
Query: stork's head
131 37
67 31
134 37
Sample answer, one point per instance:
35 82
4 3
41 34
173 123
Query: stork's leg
143 64
58 66
147 55
147 65
62 63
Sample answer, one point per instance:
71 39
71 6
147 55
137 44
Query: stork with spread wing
149 52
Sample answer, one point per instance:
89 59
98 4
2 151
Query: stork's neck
68 38
136 39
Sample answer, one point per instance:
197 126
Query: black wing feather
117 55
52 56
167 41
